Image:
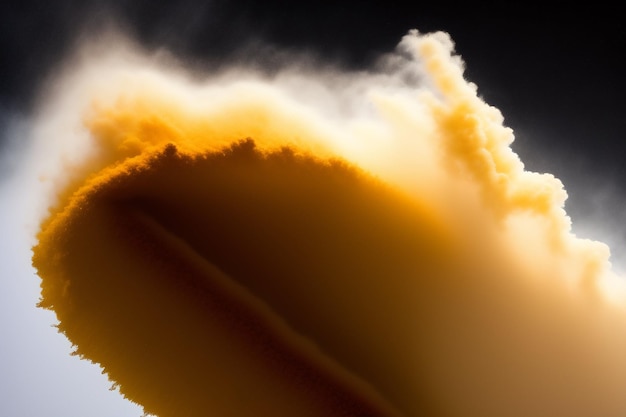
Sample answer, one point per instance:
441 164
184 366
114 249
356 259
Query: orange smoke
329 244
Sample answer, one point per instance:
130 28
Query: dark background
557 76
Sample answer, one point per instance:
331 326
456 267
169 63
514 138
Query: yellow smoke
318 244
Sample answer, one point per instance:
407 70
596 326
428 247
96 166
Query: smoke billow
316 242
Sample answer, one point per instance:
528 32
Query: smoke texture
316 242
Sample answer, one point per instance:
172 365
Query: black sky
557 76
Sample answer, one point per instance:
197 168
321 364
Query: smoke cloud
316 242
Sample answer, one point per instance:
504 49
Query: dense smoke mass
318 243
